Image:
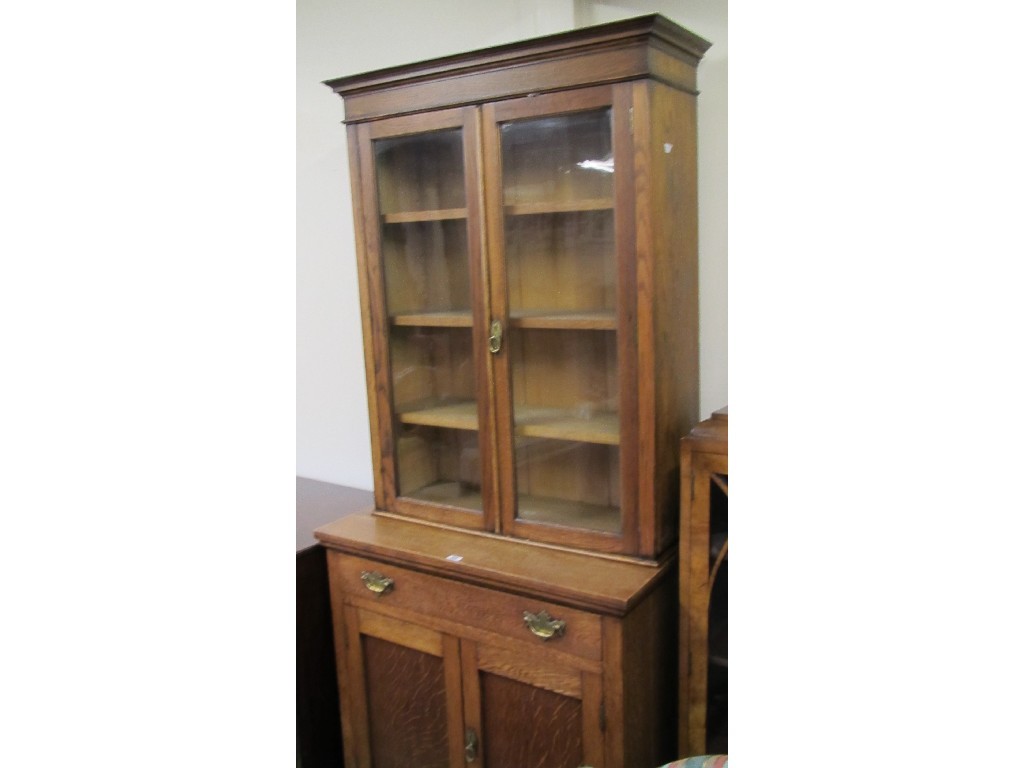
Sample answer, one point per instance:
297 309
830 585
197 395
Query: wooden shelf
531 421
567 206
572 514
597 320
557 424
442 319
449 493
409 217
461 415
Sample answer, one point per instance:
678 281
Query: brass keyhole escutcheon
494 340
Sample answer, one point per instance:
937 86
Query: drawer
450 600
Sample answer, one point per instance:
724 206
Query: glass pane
425 268
565 405
561 159
561 264
425 253
420 173
440 465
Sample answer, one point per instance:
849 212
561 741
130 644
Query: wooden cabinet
498 653
527 245
526 231
703 593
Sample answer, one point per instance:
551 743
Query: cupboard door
406 705
526 725
561 256
409 708
529 710
422 227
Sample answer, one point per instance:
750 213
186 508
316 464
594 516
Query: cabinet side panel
646 222
528 726
407 702
649 660
674 199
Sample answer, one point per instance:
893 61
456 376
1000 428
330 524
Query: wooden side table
703 591
318 722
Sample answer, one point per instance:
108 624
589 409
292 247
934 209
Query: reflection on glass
551 159
607 165
558 196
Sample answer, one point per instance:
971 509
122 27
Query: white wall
343 38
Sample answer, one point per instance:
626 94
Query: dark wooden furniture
458 649
527 245
318 731
703 587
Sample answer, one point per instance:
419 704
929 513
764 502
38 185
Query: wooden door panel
406 701
407 698
525 725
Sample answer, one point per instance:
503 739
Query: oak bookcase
527 254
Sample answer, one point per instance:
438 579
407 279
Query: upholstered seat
700 761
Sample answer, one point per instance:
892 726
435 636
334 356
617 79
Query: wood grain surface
541 472
529 726
408 723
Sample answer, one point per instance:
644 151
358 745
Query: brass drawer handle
543 626
377 582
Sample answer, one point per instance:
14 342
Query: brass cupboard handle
472 742
543 626
494 340
377 582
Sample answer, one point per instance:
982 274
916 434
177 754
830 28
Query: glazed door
421 195
561 254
